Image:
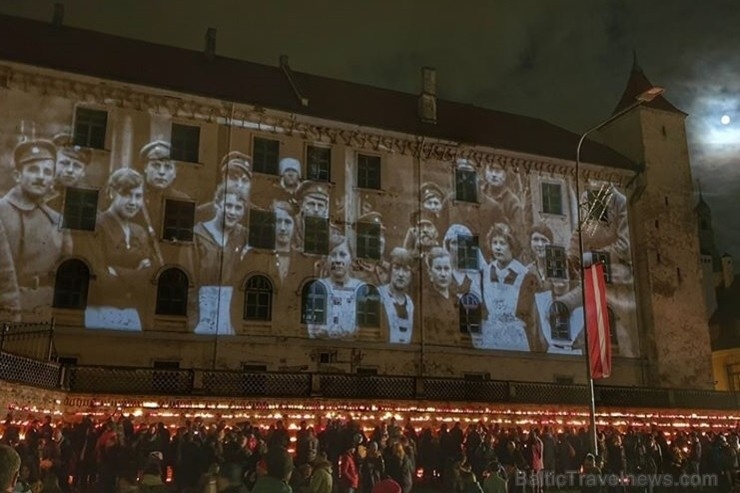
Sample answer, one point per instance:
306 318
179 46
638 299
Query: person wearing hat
313 201
290 174
372 270
35 240
432 198
423 233
236 173
397 304
72 161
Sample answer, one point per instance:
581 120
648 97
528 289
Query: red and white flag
597 322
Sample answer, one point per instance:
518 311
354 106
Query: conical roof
636 85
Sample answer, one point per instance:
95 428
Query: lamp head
650 94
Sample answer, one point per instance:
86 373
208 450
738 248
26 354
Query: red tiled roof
110 57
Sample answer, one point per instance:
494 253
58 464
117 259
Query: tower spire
635 64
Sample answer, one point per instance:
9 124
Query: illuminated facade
221 214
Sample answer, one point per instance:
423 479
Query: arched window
470 314
258 299
313 303
70 285
368 306
612 326
559 317
172 293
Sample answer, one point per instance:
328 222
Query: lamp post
641 98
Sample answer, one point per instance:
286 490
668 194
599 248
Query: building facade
209 213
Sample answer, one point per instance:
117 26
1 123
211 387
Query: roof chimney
428 97
210 49
291 80
58 17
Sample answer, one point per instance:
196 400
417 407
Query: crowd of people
119 455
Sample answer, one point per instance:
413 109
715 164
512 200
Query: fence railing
250 384
34 341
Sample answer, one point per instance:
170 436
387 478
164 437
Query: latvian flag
597 322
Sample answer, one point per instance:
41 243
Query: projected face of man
539 242
36 178
400 277
495 176
69 171
315 205
428 234
501 250
236 178
440 273
433 204
160 173
339 262
126 203
230 211
284 227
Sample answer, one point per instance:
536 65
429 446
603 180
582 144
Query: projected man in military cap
313 200
236 173
35 239
423 233
432 198
71 167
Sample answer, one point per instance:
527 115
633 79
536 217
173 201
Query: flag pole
644 97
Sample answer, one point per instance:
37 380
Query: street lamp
641 98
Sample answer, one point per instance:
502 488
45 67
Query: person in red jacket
349 476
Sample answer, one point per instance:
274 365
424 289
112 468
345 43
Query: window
172 293
67 360
262 229
597 206
368 372
80 209
166 365
368 240
368 171
265 155
258 299
467 252
313 303
555 262
604 258
90 128
466 185
178 220
326 357
368 306
70 285
185 143
612 326
319 163
252 367
469 314
316 235
552 198
559 317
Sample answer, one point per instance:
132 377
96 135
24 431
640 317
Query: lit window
318 161
368 306
70 285
90 128
313 303
80 209
185 143
179 217
172 293
265 155
258 299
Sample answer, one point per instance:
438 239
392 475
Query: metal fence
34 341
14 368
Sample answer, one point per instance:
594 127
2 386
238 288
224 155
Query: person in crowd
151 480
399 467
322 480
495 481
387 485
35 241
508 293
10 467
349 475
279 468
397 304
125 252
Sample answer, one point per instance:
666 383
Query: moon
725 120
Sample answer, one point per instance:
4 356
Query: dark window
262 229
266 155
367 371
368 171
313 303
185 143
476 377
166 365
70 285
555 262
319 163
466 185
597 206
326 357
470 314
368 306
90 126
250 367
604 258
172 293
80 209
612 326
552 198
316 235
559 317
368 240
258 299
178 220
467 252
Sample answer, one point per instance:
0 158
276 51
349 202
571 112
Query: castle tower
675 341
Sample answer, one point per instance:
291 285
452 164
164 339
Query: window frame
546 199
461 184
172 305
259 298
471 249
367 176
261 231
318 165
315 291
311 241
185 152
181 222
261 161
83 212
556 266
367 307
71 285
367 240
465 313
84 118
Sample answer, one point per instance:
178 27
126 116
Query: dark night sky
565 61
